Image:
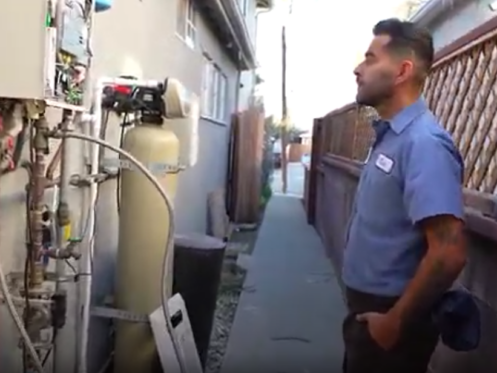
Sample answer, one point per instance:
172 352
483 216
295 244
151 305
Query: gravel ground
227 302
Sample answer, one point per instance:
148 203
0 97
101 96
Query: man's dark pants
362 355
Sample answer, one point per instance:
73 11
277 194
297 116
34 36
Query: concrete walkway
290 313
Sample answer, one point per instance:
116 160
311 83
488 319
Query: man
405 243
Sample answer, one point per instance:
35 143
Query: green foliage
266 194
273 129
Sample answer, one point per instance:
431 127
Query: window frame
186 27
222 95
244 6
214 91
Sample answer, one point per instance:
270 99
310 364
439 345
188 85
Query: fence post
316 153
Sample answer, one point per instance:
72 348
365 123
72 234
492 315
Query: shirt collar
405 117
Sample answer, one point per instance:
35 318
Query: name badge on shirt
384 163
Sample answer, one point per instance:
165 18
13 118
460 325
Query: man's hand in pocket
384 328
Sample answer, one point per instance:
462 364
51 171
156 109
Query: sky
325 41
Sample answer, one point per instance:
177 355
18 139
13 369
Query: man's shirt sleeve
433 174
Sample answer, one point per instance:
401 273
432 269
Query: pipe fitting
63 214
37 274
67 119
86 181
40 142
41 124
63 254
56 134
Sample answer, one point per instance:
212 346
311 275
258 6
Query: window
214 92
244 6
186 22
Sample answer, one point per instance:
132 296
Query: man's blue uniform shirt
414 172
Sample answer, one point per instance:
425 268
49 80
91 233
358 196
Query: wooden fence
245 166
462 92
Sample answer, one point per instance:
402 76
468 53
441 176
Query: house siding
135 38
459 20
156 51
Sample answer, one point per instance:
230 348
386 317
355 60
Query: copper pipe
40 144
54 163
34 277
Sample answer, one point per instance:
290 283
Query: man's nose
357 71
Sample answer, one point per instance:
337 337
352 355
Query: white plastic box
28 52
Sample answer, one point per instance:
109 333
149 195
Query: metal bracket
156 168
113 313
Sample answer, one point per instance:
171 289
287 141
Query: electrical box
44 50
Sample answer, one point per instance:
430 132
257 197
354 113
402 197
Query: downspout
257 14
433 9
230 165
238 83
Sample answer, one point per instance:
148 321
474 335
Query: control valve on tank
168 99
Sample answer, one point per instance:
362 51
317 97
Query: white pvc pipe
106 81
86 260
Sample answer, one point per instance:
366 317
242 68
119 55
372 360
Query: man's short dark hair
407 37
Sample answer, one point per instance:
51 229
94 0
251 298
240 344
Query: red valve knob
10 143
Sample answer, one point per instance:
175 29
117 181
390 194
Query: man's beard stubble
376 93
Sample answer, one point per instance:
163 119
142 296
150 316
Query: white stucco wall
140 50
460 20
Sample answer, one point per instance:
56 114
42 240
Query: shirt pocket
381 195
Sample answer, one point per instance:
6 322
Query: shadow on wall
106 244
208 175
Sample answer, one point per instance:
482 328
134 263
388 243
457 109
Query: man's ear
406 71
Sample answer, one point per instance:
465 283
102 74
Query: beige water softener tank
143 230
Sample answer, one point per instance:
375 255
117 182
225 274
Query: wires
125 123
37 363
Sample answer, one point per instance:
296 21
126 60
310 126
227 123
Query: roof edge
431 10
265 4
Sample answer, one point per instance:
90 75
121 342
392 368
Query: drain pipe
86 266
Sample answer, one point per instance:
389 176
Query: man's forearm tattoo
440 273
448 235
